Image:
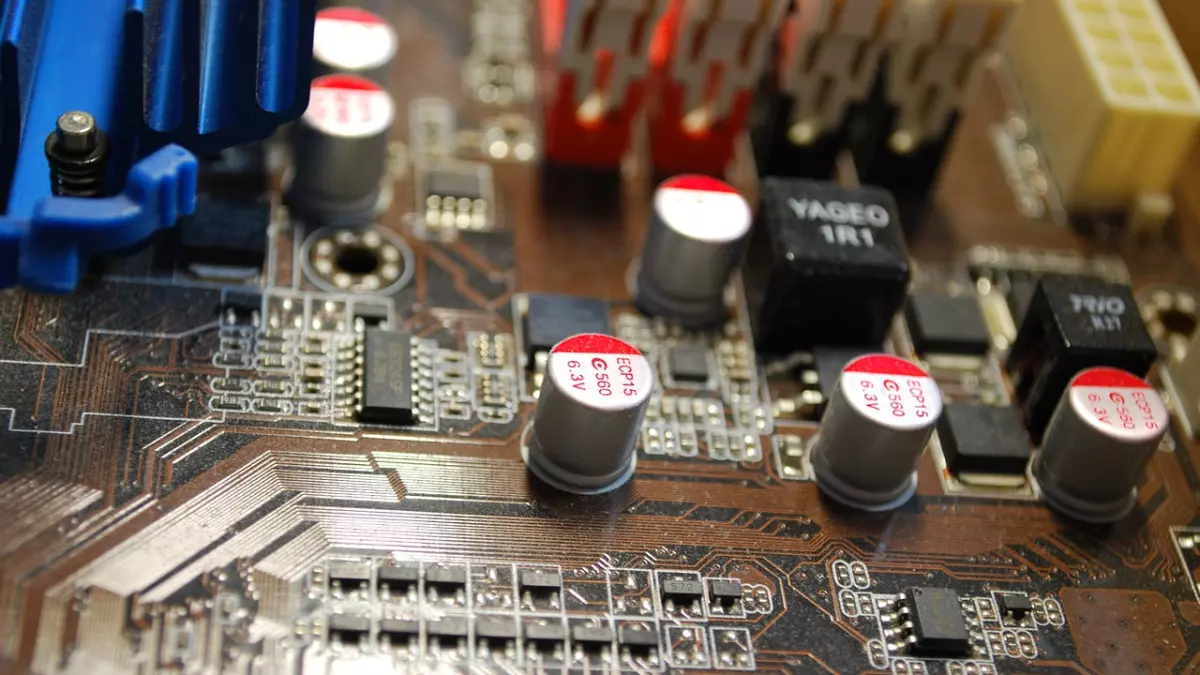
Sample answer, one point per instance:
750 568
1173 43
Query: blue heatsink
164 79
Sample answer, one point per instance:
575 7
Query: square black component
349 629
1074 323
225 232
446 578
397 629
495 629
596 637
827 265
348 575
372 314
464 183
682 590
545 632
539 582
399 577
977 438
1014 606
938 626
689 364
550 319
637 639
242 303
947 324
387 396
724 591
449 627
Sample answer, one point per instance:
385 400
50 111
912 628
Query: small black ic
537 581
467 183
398 577
448 629
947 324
371 314
637 639
387 396
689 364
243 304
550 319
983 439
399 629
495 629
592 637
349 630
348 575
446 579
1014 606
545 633
225 232
934 623
682 590
724 592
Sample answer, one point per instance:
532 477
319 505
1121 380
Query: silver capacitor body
877 423
339 151
696 239
585 430
1106 428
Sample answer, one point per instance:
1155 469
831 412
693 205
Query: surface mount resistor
601 52
709 57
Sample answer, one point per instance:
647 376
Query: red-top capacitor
1106 428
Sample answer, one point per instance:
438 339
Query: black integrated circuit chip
689 364
983 439
934 623
947 324
387 382
550 319
1014 606
592 638
225 232
349 629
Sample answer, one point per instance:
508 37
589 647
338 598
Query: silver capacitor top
875 427
589 414
339 150
353 40
1104 431
698 229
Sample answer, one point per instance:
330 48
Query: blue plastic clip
159 76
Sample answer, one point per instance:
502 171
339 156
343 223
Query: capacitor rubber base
1080 509
854 497
569 481
357 212
693 315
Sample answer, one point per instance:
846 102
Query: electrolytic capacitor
589 414
696 239
355 41
339 150
1106 428
875 427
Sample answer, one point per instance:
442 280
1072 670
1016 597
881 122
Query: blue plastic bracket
163 78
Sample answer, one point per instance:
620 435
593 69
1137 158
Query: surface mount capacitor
1105 430
589 414
339 150
355 41
698 230
877 423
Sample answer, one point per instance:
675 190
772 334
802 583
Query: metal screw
76 131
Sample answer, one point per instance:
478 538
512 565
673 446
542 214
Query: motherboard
606 336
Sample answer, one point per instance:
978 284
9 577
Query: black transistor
1014 607
1074 323
398 577
348 629
947 324
592 637
638 640
827 266
933 623
983 439
387 385
682 590
493 629
550 319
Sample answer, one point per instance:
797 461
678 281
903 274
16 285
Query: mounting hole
356 260
1178 322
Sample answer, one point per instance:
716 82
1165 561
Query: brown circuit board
184 486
